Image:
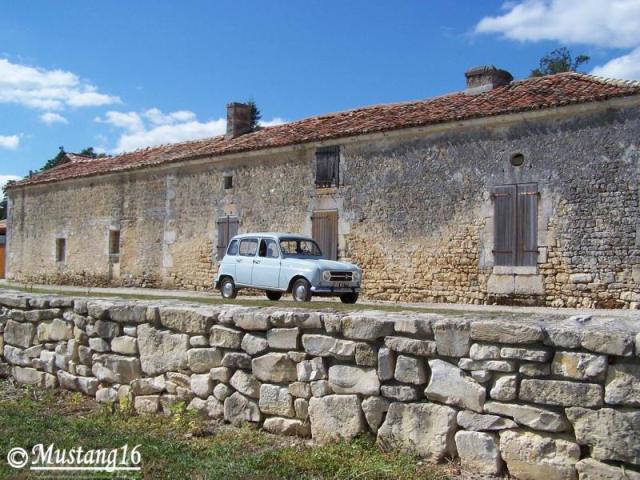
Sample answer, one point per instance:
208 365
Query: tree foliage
558 61
61 157
256 115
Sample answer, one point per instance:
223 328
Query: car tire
273 296
301 290
228 288
350 298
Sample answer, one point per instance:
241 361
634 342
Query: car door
244 260
266 266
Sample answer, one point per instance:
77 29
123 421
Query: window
233 248
227 229
228 182
114 242
516 225
248 247
327 167
299 247
268 249
61 249
324 230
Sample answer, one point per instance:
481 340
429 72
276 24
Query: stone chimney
485 78
238 119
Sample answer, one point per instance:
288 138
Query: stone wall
539 398
414 209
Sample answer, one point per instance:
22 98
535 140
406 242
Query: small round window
517 160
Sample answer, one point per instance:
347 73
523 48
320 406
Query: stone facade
573 416
415 211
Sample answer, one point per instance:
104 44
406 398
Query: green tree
61 157
558 61
256 115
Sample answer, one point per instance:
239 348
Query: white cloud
6 178
153 127
611 23
273 122
10 142
51 117
627 66
47 89
606 24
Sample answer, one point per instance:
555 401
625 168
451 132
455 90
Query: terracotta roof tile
525 95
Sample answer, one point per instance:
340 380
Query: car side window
268 249
233 248
248 247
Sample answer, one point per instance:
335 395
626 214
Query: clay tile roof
525 95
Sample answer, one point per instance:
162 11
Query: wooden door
324 230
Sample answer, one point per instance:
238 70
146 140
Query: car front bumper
334 290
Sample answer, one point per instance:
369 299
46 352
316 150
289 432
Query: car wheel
228 289
349 298
301 290
274 296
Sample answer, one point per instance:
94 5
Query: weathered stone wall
414 207
540 398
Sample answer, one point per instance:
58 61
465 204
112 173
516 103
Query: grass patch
187 446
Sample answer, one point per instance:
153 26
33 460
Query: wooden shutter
324 230
504 218
527 234
227 229
327 166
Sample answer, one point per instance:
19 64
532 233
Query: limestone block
366 355
238 409
611 434
491 365
529 416
220 374
147 404
320 388
506 331
528 354
535 369
419 326
386 363
578 365
162 351
300 389
410 370
335 418
310 370
590 469
324 346
55 330
561 393
253 344
274 368
201 360
237 360
106 395
148 385
252 320
106 329
99 345
425 429
275 400
201 385
19 334
185 319
127 313
283 338
350 379
411 346
116 368
609 339
400 393
246 384
287 426
478 452
225 337
374 409
531 456
448 384
222 391
366 326
453 337
482 351
197 341
505 388
478 422
623 385
124 345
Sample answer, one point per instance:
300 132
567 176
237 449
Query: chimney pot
238 119
484 78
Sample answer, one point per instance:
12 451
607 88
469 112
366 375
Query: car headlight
356 276
326 275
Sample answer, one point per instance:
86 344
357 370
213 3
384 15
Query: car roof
275 235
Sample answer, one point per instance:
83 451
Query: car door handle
238 260
256 261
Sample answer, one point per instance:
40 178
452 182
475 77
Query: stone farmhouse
508 191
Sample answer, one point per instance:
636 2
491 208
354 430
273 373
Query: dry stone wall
539 398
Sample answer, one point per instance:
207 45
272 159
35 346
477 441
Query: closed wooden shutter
324 230
327 166
504 218
227 229
527 235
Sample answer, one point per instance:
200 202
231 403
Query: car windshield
299 247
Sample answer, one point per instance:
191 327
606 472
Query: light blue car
280 263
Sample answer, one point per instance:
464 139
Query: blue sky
119 75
